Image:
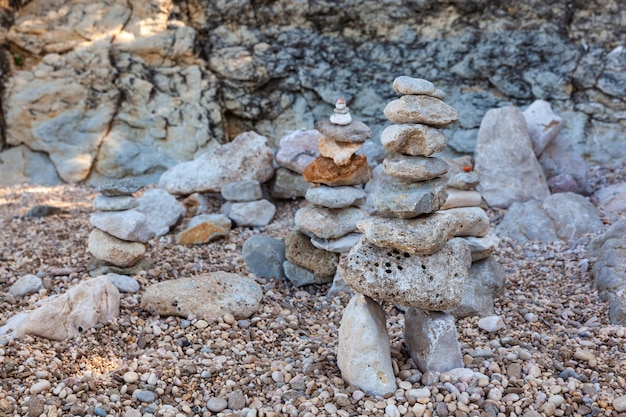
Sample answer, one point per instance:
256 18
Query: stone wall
121 88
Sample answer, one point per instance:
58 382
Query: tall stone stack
326 227
408 254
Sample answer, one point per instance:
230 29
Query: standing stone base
432 341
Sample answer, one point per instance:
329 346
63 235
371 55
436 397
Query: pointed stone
421 109
432 340
414 168
324 171
363 351
326 223
543 124
340 152
356 131
429 282
413 139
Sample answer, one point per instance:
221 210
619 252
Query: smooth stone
145 396
619 403
335 197
162 210
482 247
129 225
40 386
119 187
543 124
65 316
421 109
26 284
205 296
341 244
474 221
340 152
300 251
491 323
264 256
324 171
356 132
461 198
410 85
216 404
422 235
392 197
430 282
414 168
464 180
236 400
432 340
299 276
298 149
115 203
288 184
413 139
113 250
204 228
324 223
341 119
363 350
247 157
504 159
253 213
124 283
562 183
245 190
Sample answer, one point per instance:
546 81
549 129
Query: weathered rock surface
130 225
301 252
543 125
421 109
252 213
113 250
246 190
335 197
300 276
414 168
327 223
324 171
413 139
288 184
356 132
298 149
204 228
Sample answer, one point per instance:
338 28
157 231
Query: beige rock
325 223
113 250
353 132
300 251
324 171
410 85
421 109
414 168
474 220
340 152
363 351
461 198
414 139
204 228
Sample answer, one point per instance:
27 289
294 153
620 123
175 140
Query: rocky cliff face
123 88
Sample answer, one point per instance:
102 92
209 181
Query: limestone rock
432 341
328 223
324 171
264 256
246 190
298 149
413 139
119 187
246 157
543 124
161 209
339 287
560 158
300 251
252 213
355 132
527 221
27 284
421 109
335 197
430 282
113 250
410 85
288 184
363 351
482 247
491 323
414 168
124 283
206 296
340 152
204 228
461 198
116 203
612 198
464 180
20 165
130 225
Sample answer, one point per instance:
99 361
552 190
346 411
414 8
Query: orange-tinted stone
323 170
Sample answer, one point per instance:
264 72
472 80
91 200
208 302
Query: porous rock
301 252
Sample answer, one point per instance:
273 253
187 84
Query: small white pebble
131 377
40 386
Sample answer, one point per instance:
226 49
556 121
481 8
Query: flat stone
113 250
355 132
414 168
474 220
464 180
245 190
482 247
363 351
324 171
461 198
119 187
299 276
430 282
335 197
124 283
252 213
300 251
298 149
422 235
205 296
114 203
341 244
432 340
129 225
410 85
340 152
26 284
393 197
421 109
543 124
327 223
288 184
204 228
413 139
265 256
573 215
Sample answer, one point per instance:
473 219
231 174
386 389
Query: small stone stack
327 226
408 254
245 204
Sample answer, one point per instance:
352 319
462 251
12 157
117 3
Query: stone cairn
326 227
409 254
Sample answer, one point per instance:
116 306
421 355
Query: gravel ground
557 355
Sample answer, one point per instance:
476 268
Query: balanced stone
335 197
474 220
464 180
482 247
423 235
414 168
124 186
300 251
413 139
462 198
204 228
327 223
341 115
421 109
128 225
113 250
324 171
356 131
114 203
410 85
340 152
341 244
430 282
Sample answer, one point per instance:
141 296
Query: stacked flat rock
326 227
408 254
245 204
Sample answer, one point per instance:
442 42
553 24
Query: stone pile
408 254
245 204
326 227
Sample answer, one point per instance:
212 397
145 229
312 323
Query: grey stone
301 276
609 271
410 85
482 247
145 396
20 165
113 250
43 210
26 284
324 223
560 158
616 231
130 225
464 180
298 149
543 125
288 184
363 351
355 131
335 197
491 323
115 203
430 282
505 161
527 221
562 183
300 251
612 199
432 340
341 244
461 198
161 209
339 287
413 139
119 187
421 109
573 215
414 168
216 404
264 256
245 190
124 283
253 213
